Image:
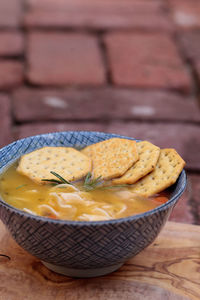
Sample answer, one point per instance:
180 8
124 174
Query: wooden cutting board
168 269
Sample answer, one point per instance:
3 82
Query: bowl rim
159 208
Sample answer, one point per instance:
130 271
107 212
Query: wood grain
168 269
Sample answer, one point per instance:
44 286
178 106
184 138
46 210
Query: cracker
148 157
112 158
87 151
67 162
166 172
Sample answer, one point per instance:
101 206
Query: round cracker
166 172
148 157
112 158
66 161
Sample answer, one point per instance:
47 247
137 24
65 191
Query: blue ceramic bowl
76 248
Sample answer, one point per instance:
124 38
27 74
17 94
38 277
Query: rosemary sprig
20 186
89 183
54 181
60 179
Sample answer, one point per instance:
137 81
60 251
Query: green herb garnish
60 179
89 183
20 186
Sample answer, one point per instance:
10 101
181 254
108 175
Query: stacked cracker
144 166
149 169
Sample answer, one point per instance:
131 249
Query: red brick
183 211
10 13
5 120
146 60
188 208
190 42
195 201
183 137
39 128
11 43
186 13
11 74
197 68
98 14
89 104
64 58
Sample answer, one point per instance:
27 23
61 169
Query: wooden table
168 269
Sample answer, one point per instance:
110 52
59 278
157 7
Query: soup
72 202
112 179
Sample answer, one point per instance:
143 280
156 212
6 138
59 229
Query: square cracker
166 172
66 161
148 157
112 158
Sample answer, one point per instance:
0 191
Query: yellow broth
72 203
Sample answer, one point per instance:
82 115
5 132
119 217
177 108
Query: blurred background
123 66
